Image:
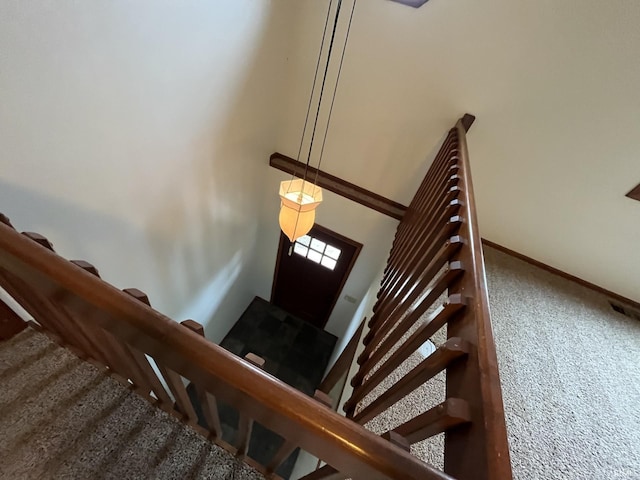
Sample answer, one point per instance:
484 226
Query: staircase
63 417
126 412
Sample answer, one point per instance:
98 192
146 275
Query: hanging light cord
333 99
315 122
324 80
335 90
313 86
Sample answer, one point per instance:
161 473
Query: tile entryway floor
294 351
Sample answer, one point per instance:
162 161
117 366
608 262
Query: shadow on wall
87 230
82 234
203 232
188 236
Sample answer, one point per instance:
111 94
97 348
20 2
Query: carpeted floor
570 372
61 418
570 376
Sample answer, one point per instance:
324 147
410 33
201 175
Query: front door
309 277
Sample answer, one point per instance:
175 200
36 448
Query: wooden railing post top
4 219
138 295
467 120
193 326
86 266
39 239
456 344
456 299
254 359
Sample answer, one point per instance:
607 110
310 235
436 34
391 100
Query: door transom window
317 251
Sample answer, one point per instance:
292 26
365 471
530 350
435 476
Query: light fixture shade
295 224
299 201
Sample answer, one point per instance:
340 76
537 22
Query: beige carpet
570 371
61 418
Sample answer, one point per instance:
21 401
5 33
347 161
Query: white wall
554 87
364 310
129 133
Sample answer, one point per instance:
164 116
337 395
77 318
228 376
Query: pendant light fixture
300 197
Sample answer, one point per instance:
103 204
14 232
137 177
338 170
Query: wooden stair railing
119 330
437 252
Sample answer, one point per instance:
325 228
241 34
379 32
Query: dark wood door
310 273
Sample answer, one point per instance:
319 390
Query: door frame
326 231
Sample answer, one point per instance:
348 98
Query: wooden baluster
430 237
97 346
173 379
288 447
452 350
454 305
245 423
143 362
452 210
323 399
152 381
47 312
30 301
422 271
441 197
434 322
453 225
10 322
434 231
429 223
207 401
449 414
417 211
37 305
51 315
30 306
430 294
114 351
418 202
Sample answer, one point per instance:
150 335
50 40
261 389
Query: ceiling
554 86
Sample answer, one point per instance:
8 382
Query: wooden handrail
325 434
437 249
484 442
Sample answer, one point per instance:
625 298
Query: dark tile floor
294 351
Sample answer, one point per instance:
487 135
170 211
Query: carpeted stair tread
61 417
